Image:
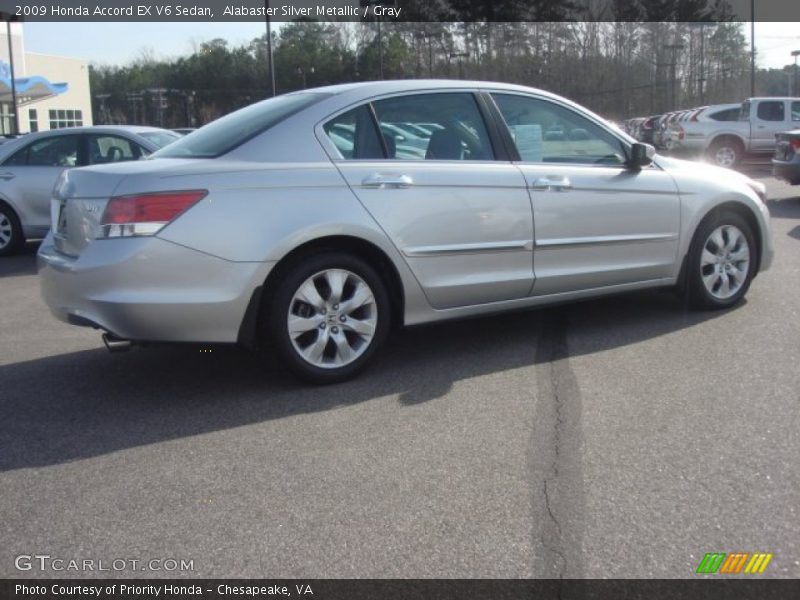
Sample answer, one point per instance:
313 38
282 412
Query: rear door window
771 110
443 126
354 135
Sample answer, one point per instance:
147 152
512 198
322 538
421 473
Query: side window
728 114
546 132
795 111
58 151
17 159
444 126
353 133
744 112
771 110
112 148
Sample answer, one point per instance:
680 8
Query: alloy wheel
725 262
332 318
725 156
6 230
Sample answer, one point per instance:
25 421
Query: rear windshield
160 138
234 129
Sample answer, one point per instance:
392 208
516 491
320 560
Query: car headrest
445 144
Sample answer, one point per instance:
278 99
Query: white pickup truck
727 142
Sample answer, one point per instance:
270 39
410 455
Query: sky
119 43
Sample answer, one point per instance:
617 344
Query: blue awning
30 89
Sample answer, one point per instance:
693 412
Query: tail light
681 133
648 124
145 214
795 143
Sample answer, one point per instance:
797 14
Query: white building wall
73 107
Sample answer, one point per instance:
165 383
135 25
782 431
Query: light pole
270 59
795 53
701 80
373 3
673 64
752 48
8 17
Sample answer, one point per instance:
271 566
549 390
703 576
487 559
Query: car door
460 216
596 222
27 177
770 118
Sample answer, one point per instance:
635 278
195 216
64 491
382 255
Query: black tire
726 146
698 294
11 237
283 300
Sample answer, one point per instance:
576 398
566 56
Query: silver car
267 227
31 164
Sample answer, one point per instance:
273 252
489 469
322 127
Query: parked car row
30 165
723 133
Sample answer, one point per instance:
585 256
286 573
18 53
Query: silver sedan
302 222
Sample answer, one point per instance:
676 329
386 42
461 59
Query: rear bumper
148 289
788 171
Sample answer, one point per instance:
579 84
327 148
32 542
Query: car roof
367 89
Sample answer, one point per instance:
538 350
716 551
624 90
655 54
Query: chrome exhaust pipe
115 344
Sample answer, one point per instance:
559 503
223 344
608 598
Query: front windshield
234 129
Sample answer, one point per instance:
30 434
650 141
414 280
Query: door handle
7 176
552 184
377 180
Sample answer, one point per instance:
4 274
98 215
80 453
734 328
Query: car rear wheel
329 316
11 237
721 261
726 152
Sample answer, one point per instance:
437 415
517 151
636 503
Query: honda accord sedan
297 223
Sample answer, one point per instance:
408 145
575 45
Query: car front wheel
328 317
721 261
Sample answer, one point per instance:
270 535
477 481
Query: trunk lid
80 196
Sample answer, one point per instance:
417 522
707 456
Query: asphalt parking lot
624 437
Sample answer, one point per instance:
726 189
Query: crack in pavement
555 455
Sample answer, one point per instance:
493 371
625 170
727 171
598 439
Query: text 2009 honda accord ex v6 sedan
317 220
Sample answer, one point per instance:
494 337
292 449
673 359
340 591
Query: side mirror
641 156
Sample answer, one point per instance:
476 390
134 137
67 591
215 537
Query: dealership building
51 91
